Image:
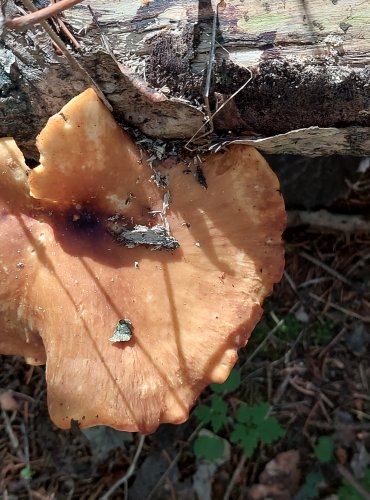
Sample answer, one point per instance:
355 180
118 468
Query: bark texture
310 61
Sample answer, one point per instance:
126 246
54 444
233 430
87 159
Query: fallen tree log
309 62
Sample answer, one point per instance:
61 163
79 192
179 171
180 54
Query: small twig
270 334
292 285
295 289
210 117
26 455
295 343
364 376
209 70
26 445
70 58
303 390
23 396
359 395
339 426
313 282
65 30
310 390
129 473
38 15
39 496
12 437
323 407
310 414
217 111
104 39
174 461
328 269
348 476
234 477
207 85
353 314
334 341
328 221
281 389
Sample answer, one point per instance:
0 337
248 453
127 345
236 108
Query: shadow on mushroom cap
191 308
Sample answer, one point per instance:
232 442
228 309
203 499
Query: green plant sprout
251 424
209 447
324 449
26 473
254 426
290 329
310 489
231 384
216 414
322 333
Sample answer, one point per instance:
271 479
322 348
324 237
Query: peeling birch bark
311 70
312 141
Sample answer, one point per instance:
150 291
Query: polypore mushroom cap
188 309
17 333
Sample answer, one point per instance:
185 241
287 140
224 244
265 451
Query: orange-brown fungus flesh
65 279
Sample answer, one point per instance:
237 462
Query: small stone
7 401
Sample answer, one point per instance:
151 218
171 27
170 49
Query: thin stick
329 221
332 343
209 69
104 39
65 30
173 463
12 437
346 474
281 389
294 287
36 16
72 60
270 334
217 111
129 473
210 117
26 445
328 269
314 281
303 390
353 314
291 283
339 426
234 477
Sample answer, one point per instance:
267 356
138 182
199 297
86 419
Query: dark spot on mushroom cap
83 220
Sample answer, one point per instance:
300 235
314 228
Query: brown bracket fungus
70 278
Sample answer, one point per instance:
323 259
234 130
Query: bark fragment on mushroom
186 309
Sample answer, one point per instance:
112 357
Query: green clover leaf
209 447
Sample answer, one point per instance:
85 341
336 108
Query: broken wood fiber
310 65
